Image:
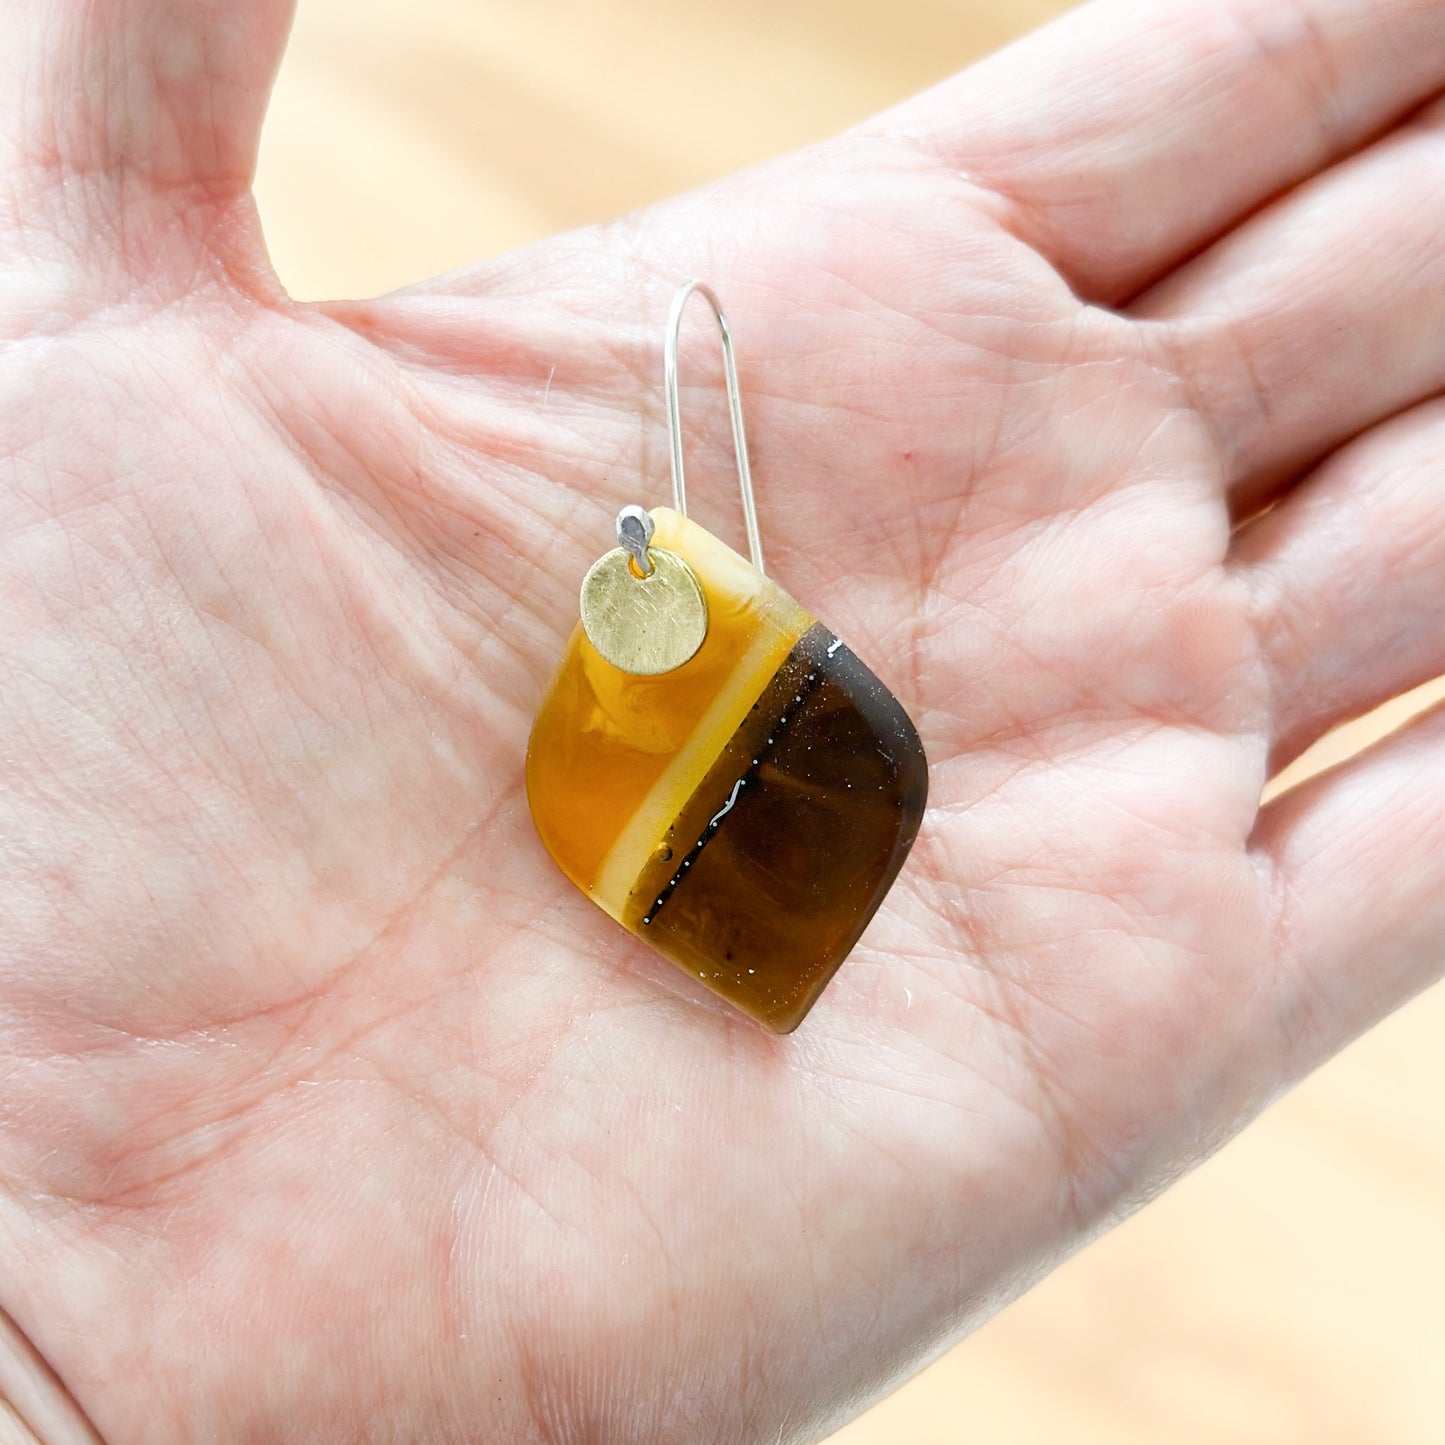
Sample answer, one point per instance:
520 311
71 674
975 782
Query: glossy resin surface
744 814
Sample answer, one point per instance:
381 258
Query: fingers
1359 859
34 1405
1347 580
166 93
1321 316
1133 132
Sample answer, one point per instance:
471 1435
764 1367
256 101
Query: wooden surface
1293 1291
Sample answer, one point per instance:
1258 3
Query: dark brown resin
778 861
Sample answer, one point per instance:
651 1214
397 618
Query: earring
711 766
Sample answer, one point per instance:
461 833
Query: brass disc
644 625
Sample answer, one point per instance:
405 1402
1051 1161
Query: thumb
111 101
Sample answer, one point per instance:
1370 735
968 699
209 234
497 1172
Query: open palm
330 1111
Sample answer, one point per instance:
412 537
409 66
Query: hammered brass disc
644 625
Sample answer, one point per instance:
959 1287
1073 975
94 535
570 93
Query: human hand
330 1111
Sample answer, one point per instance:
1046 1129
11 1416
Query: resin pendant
745 811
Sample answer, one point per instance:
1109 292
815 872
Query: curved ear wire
735 409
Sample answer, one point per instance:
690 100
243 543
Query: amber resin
745 813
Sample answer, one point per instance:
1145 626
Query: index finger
1131 133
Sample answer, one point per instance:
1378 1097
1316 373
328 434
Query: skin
328 1110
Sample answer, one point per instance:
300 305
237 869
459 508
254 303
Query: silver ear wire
735 409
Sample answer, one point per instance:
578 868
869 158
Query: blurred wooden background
1293 1291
